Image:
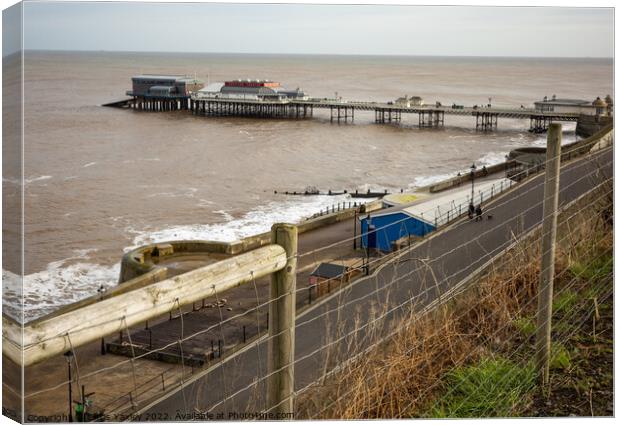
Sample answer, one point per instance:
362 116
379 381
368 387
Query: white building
577 106
409 101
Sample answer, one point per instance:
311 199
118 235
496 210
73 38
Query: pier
429 116
268 99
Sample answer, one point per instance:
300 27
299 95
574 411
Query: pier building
408 102
163 92
251 90
574 106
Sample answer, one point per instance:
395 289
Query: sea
99 181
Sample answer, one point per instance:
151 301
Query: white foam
259 220
488 159
491 158
26 181
422 181
90 164
36 179
62 282
131 161
185 193
567 137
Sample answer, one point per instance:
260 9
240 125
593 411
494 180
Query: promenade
326 332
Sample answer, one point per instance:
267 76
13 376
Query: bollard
244 334
281 346
219 348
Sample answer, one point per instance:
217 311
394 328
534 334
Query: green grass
525 325
488 388
596 269
565 302
560 357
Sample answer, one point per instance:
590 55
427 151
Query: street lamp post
69 356
101 292
473 175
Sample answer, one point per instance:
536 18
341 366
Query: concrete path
341 321
164 332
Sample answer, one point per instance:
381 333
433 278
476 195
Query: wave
26 181
488 159
252 223
491 158
423 181
185 193
62 282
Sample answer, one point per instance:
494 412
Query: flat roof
329 270
212 88
427 209
160 76
165 77
566 102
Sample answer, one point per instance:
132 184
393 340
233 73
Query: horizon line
310 54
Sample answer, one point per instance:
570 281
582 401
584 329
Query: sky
317 29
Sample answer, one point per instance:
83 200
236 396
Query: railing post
281 346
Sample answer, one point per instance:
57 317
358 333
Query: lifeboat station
163 92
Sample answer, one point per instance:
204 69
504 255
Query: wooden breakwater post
281 346
549 230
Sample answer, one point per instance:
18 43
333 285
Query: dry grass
404 377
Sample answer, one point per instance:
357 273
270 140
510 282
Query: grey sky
324 29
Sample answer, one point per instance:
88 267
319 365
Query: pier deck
344 111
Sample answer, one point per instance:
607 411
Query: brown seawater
100 180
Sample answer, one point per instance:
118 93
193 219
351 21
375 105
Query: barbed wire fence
431 287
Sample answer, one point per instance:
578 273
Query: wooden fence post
281 346
549 228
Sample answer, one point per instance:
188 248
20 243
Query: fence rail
60 334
